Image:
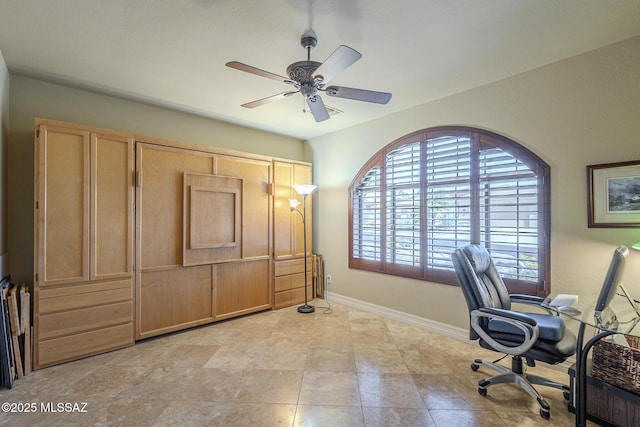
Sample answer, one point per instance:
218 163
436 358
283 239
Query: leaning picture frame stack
614 194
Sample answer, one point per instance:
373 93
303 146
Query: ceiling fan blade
257 71
358 94
316 105
337 62
268 99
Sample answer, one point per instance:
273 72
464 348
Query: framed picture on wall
614 194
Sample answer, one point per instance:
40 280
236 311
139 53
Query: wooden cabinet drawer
289 282
284 283
75 346
297 295
82 296
85 319
282 299
290 297
292 266
74 321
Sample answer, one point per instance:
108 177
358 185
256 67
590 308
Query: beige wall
580 111
34 98
4 138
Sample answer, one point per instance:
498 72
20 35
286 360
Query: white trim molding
454 332
436 327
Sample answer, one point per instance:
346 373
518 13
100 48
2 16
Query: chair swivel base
522 379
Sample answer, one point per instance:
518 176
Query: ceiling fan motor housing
302 72
309 40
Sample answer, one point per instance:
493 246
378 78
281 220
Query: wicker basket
618 365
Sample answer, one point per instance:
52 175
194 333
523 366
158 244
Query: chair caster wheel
482 391
474 367
545 414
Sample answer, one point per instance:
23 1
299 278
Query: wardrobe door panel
256 202
241 287
282 216
302 175
63 205
112 207
161 185
175 299
287 225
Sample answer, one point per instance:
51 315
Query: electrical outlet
328 279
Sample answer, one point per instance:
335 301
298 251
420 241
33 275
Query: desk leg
577 392
581 373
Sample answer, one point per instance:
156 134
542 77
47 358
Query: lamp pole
304 190
306 308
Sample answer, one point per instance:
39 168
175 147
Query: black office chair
532 336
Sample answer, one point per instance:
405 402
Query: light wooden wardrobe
288 254
138 236
83 291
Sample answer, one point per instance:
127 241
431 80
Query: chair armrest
525 323
508 314
532 300
526 299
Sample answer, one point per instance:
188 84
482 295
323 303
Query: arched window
431 191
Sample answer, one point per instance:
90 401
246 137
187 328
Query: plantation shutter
448 198
432 191
509 214
367 225
403 205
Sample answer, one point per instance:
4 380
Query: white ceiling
172 52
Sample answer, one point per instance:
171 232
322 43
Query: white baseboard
454 332
440 328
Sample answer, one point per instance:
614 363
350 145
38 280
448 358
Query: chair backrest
612 278
479 280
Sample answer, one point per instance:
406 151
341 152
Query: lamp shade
293 203
636 246
304 189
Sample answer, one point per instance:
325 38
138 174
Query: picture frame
614 195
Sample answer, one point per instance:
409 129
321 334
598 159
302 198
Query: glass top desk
622 316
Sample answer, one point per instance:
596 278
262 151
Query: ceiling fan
310 77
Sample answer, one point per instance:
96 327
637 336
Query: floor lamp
304 190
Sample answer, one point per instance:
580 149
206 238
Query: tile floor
281 368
